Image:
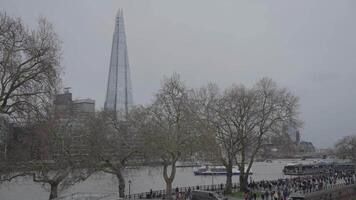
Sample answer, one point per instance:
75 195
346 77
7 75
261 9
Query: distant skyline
306 46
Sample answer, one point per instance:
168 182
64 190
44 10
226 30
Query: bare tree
60 177
346 148
215 112
168 133
29 66
241 119
114 142
58 166
267 111
57 175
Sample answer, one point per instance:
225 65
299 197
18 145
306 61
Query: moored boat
318 168
215 170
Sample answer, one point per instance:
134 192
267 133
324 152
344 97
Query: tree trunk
243 182
169 190
228 188
121 180
169 179
244 172
54 191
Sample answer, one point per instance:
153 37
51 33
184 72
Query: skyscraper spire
119 91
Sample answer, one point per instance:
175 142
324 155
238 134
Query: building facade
73 116
65 106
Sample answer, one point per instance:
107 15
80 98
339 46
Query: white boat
215 170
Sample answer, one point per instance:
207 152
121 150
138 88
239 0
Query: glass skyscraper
119 90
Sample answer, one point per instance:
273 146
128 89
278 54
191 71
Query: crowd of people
279 189
282 188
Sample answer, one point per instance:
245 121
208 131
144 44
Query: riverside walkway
159 194
308 187
340 191
319 187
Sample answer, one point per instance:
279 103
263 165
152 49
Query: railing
218 188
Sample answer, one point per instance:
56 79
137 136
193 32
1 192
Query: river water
142 180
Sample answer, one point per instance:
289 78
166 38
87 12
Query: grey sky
307 45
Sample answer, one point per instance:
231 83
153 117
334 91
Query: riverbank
143 179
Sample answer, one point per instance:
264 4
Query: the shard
119 91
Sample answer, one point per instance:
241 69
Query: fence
218 188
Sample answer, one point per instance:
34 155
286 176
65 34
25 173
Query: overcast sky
308 46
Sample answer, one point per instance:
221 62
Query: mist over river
142 180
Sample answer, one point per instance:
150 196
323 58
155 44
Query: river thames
142 180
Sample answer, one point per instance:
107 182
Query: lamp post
130 189
212 175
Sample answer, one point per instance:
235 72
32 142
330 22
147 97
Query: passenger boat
215 170
318 168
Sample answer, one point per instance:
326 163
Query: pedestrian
279 194
246 195
267 195
254 196
177 193
189 195
262 196
275 196
285 193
